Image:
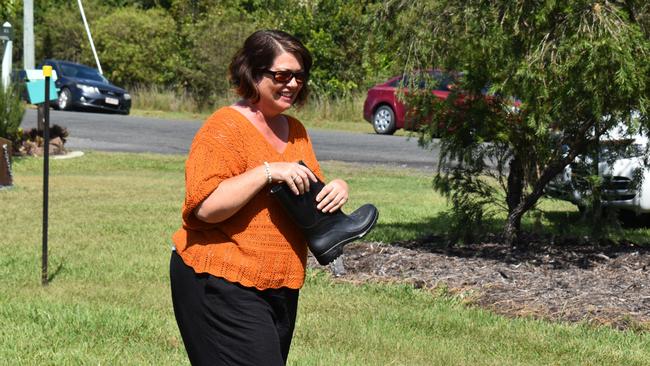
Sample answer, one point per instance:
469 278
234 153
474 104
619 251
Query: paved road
107 132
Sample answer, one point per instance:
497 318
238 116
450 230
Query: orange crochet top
259 246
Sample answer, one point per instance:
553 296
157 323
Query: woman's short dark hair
258 53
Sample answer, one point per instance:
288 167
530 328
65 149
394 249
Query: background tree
137 46
197 38
578 67
59 31
210 42
334 31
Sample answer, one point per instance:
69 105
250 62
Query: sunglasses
286 76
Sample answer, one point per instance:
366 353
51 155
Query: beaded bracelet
267 170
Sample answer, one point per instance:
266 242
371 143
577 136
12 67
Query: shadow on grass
52 275
616 226
564 241
409 229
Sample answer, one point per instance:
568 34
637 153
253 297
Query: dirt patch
548 279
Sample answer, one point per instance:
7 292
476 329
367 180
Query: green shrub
137 46
211 43
11 113
61 34
188 44
335 32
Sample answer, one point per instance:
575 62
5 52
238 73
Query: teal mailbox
36 86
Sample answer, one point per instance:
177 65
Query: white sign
37 74
7 48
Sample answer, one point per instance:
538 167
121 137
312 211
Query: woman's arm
235 192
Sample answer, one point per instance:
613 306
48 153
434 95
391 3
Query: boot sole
336 251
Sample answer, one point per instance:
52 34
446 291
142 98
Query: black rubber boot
326 233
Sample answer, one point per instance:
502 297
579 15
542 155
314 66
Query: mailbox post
47 73
41 90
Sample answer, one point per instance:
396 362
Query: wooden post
40 116
6 176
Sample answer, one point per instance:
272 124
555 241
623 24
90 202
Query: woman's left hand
333 196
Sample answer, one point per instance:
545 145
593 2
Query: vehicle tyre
65 97
383 120
582 209
630 219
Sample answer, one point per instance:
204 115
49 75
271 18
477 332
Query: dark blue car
83 87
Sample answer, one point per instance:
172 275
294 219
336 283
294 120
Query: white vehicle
626 178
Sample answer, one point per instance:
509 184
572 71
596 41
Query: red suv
382 107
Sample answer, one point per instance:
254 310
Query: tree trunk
515 183
512 229
513 199
596 193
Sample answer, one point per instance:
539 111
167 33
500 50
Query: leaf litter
567 279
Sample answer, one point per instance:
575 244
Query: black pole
46 171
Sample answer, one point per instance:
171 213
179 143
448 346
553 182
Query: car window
439 80
81 72
395 83
442 80
68 70
621 149
90 74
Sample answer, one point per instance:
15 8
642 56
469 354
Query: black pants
224 323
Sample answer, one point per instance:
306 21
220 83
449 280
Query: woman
239 261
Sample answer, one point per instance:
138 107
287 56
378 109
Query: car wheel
582 209
383 121
630 219
65 97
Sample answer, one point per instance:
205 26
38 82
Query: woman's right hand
295 175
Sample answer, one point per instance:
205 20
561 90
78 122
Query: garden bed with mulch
570 280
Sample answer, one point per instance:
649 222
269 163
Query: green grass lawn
111 216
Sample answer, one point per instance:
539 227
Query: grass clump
336 113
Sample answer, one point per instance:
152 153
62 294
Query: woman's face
275 96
